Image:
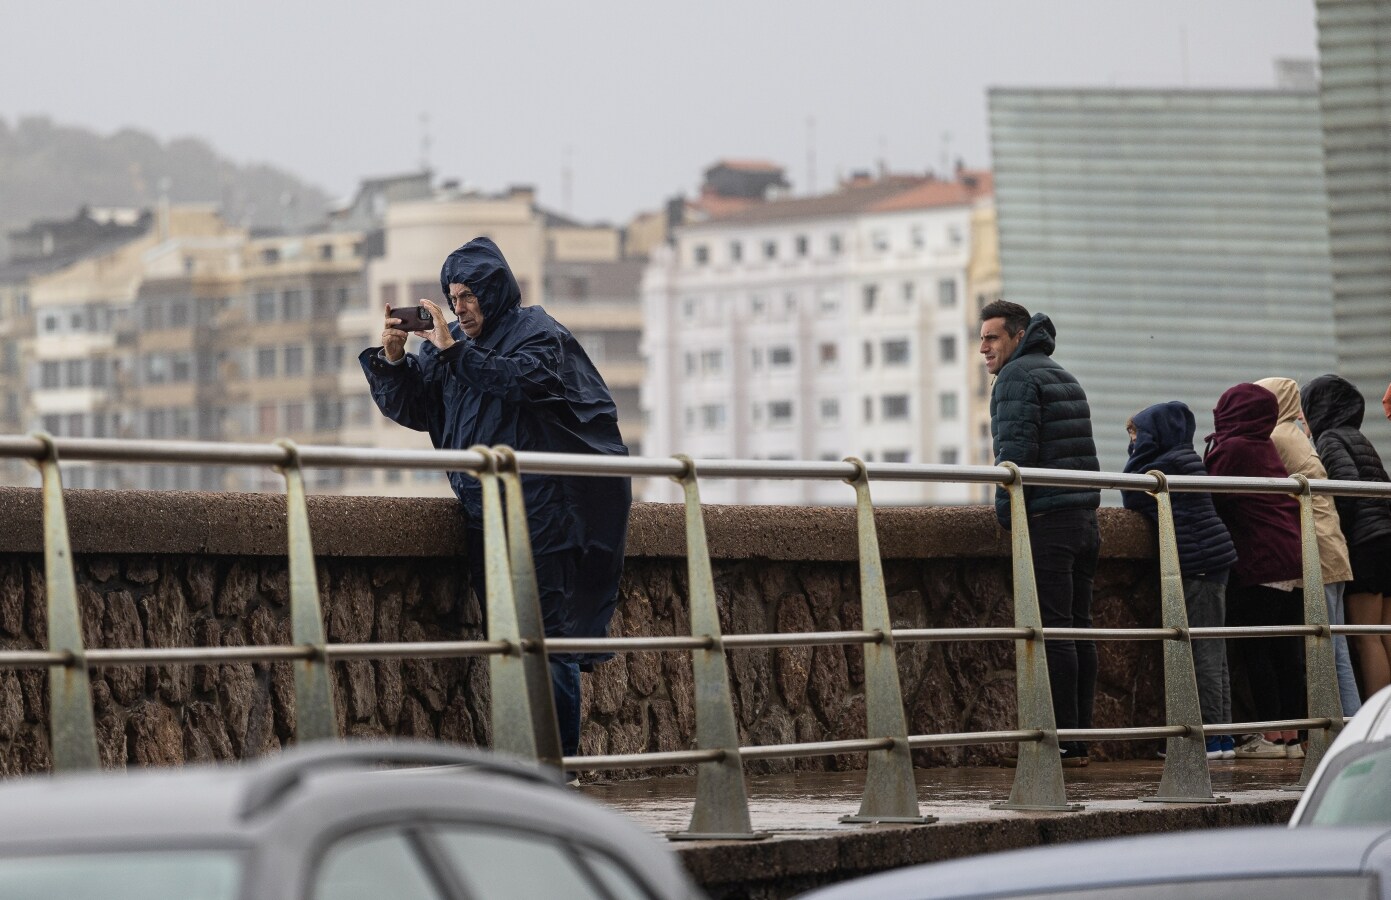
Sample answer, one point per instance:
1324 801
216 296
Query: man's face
466 308
996 344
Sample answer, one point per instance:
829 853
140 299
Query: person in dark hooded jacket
1039 417
508 374
1161 438
1333 408
1269 566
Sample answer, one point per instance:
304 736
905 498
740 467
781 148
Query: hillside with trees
49 171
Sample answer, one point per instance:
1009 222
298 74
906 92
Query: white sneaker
1294 751
1259 748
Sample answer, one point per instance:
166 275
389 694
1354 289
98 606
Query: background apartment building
1177 238
1355 101
817 328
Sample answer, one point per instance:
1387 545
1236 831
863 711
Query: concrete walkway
806 846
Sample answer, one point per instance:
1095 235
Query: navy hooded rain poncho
527 383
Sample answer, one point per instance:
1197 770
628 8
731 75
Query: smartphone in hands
413 318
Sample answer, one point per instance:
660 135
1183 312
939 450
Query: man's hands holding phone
394 336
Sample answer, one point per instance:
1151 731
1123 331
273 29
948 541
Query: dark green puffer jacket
1039 418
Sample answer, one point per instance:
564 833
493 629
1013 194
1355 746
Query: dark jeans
1207 608
1274 667
1065 547
555 580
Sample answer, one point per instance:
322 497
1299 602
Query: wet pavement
813 802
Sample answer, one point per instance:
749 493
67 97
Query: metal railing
523 710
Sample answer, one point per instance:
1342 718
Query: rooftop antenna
566 179
425 142
946 155
811 155
883 156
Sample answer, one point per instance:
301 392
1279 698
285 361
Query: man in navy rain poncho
504 374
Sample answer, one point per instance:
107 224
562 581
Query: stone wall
178 569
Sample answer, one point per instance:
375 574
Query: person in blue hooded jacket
1161 437
508 374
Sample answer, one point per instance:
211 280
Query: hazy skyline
644 95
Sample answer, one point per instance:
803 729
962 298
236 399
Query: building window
770 249
325 252
802 245
265 362
829 353
946 293
916 236
328 415
294 417
712 361
835 244
756 357
868 354
780 357
270 256
779 412
72 373
757 304
690 363
701 254
389 294
294 360
909 291
947 406
178 313
948 456
869 409
946 348
712 416
830 410
871 294
294 305
181 367
266 418
827 302
895 352
265 306
879 240
896 456
736 251
894 407
789 304
343 298
688 308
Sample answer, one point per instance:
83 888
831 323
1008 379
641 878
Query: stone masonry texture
163 570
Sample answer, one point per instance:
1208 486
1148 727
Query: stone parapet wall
181 569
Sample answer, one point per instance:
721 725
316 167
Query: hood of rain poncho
1332 402
1160 430
479 264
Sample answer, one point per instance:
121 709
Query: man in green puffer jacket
1039 418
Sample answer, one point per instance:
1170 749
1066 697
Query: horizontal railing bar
327 456
967 738
628 644
815 748
1256 631
801 639
1139 733
419 650
919 635
640 760
1276 725
1112 634
1360 629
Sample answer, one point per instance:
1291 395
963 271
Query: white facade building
816 328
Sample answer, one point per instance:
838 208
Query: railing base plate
1025 807
888 820
1184 799
716 836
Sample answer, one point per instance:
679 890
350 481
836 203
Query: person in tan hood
1297 452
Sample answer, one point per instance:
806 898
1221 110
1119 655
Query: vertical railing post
1320 675
1038 776
890 792
530 632
314 714
722 805
72 725
514 720
1186 778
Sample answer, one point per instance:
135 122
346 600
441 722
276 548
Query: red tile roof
891 193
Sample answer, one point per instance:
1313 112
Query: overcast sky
643 93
